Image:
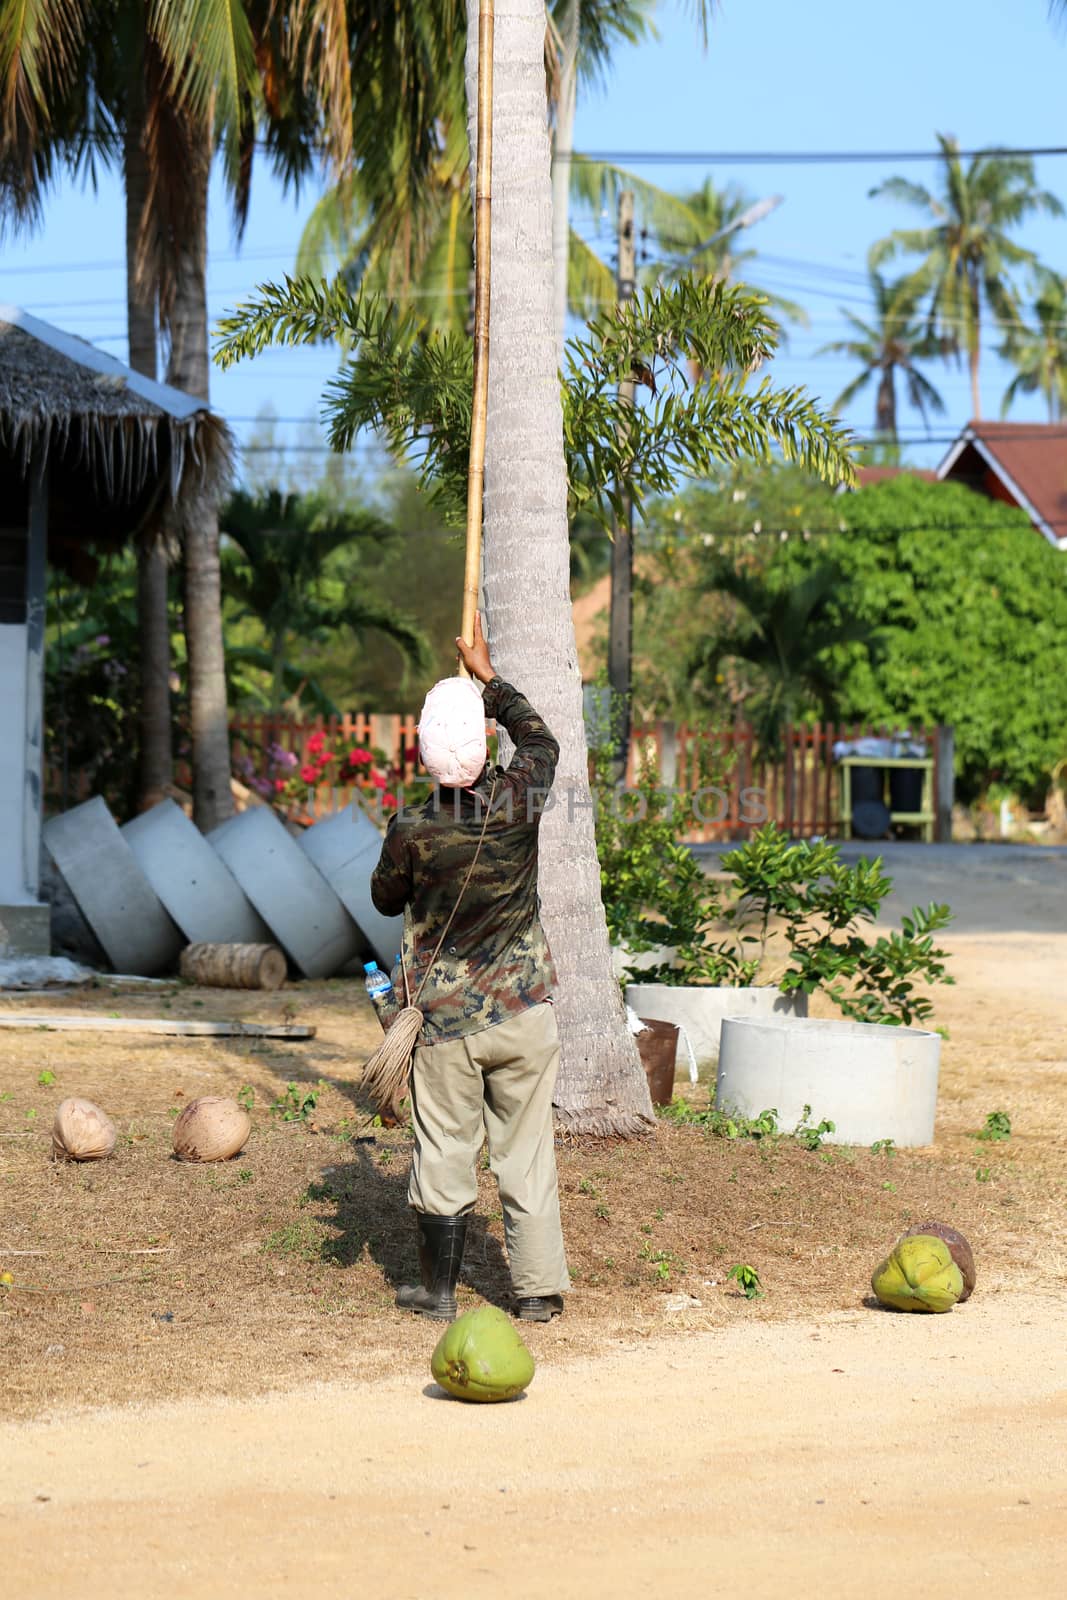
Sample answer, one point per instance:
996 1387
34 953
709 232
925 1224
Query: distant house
1021 463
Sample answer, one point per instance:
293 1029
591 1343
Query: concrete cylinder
113 894
189 877
290 894
701 1008
345 848
872 1081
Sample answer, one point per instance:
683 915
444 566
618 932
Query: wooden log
234 966
50 1021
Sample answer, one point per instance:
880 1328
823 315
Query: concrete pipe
290 894
192 881
112 893
345 849
872 1081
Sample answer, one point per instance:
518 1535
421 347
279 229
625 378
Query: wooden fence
738 789
731 787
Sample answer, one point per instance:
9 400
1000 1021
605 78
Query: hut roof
101 426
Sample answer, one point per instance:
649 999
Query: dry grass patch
141 1278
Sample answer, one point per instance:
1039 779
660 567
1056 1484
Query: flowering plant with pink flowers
290 779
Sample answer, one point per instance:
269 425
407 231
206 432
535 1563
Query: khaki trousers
497 1082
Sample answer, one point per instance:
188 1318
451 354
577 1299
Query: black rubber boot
539 1307
440 1257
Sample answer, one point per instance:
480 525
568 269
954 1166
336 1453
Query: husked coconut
212 1128
82 1132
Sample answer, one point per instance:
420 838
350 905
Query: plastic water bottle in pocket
382 994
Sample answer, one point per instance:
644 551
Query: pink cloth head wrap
452 733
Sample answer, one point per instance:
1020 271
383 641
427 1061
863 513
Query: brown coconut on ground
81 1131
212 1128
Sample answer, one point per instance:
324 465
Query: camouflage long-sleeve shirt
495 960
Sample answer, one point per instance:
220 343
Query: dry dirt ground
206 1389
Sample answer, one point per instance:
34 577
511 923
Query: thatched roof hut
121 451
92 455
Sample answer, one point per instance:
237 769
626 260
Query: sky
777 76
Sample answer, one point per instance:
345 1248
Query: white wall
12 762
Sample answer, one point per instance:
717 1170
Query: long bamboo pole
483 188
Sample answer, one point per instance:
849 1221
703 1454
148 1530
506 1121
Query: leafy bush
653 889
971 607
798 891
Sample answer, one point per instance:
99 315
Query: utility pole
620 629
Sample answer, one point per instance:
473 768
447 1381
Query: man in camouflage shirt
488 1053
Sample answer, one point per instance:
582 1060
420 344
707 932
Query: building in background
92 456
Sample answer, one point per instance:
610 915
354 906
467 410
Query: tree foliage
276 569
789 627
417 391
968 603
971 606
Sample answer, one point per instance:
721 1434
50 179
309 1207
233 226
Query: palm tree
156 86
1039 353
278 574
425 256
786 632
969 256
891 343
417 390
65 102
601 1087
106 77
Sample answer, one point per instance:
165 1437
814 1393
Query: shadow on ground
364 1208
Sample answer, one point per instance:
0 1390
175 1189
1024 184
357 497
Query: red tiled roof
1024 463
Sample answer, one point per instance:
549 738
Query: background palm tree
785 633
969 256
112 81
893 342
156 87
1039 351
277 571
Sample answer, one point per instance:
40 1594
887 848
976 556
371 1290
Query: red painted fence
737 788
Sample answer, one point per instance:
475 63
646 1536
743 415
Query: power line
747 158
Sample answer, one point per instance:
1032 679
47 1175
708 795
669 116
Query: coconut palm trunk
561 170
974 352
153 621
885 406
601 1087
188 369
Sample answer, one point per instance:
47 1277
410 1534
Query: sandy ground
855 1454
867 1454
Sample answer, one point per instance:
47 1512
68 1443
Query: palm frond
319 45
210 50
590 281
41 44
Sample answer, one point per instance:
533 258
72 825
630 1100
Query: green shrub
657 894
